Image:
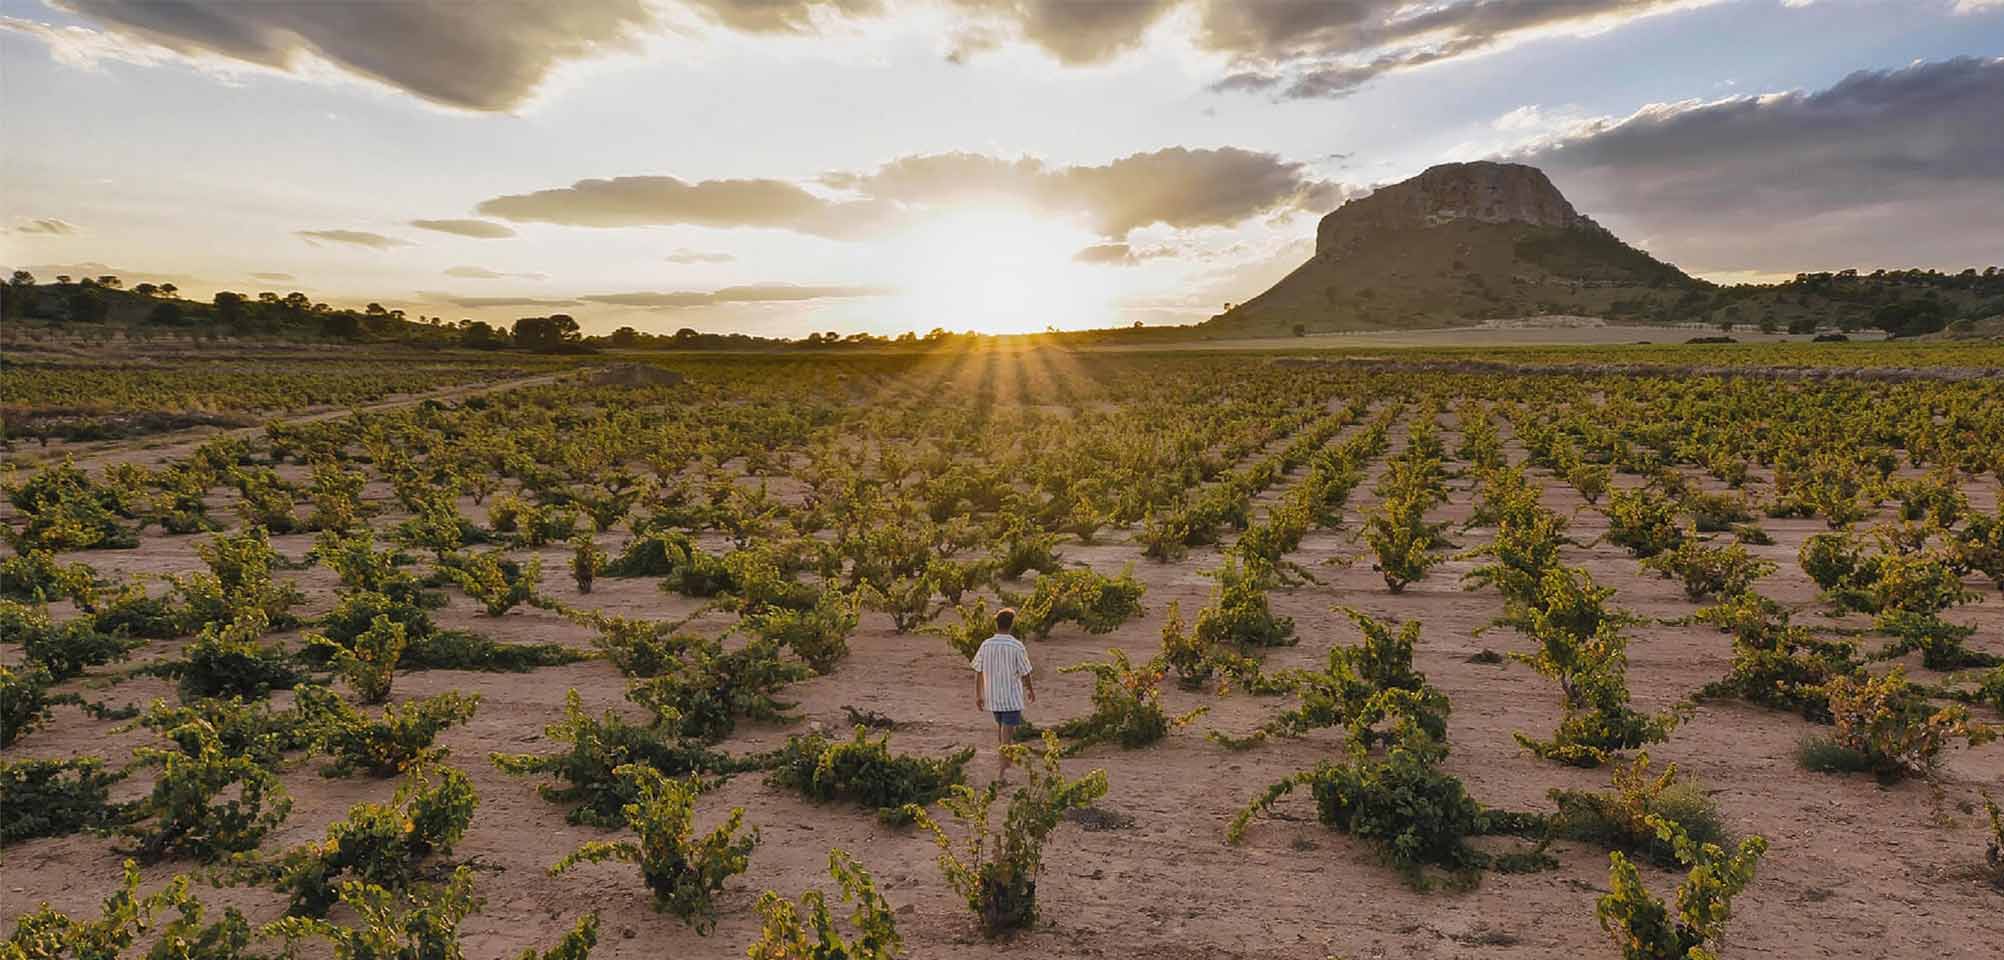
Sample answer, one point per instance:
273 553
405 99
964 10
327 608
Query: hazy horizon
788 166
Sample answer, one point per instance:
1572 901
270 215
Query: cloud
474 303
1177 186
482 273
686 255
658 201
273 276
1076 33
781 16
1119 254
487 56
45 227
753 293
1887 167
359 238
478 229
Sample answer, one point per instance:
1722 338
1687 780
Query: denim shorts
1009 718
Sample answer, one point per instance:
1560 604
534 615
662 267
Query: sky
784 166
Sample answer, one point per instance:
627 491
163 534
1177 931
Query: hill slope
1459 243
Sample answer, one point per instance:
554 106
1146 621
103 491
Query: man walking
1002 680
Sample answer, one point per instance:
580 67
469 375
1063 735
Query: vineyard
1647 652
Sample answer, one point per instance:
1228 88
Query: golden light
1000 271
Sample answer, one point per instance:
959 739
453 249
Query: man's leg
1003 734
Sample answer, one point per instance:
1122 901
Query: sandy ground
1856 869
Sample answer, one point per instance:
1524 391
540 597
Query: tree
22 278
625 337
110 282
555 333
145 289
230 309
85 307
166 315
168 289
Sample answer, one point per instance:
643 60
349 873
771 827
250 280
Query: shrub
784 936
587 560
863 771
65 510
380 844
977 623
1399 534
1775 663
1620 817
1095 602
187 812
585 773
1646 929
228 660
65 649
1717 512
1183 654
337 497
1890 723
364 569
1126 705
1707 570
24 701
714 688
35 576
499 584
1416 814
996 873
47 934
50 798
819 635
1581 645
1979 546
1023 549
1360 687
240 728
1643 522
416 925
1830 559
368 662
239 582
1940 642
1239 616
685 872
380 747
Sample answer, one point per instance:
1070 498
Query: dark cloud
482 273
45 227
273 276
484 56
1886 168
1118 254
478 229
686 255
654 201
781 16
752 293
359 238
1076 33
1178 186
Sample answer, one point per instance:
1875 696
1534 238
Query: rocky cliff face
1485 192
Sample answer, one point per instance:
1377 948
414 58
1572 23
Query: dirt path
160 448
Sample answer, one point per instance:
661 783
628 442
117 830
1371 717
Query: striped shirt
1003 662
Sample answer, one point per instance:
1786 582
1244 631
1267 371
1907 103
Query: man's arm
1029 689
980 690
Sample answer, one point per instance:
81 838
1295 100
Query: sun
998 270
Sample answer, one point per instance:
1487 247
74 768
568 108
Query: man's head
1005 620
